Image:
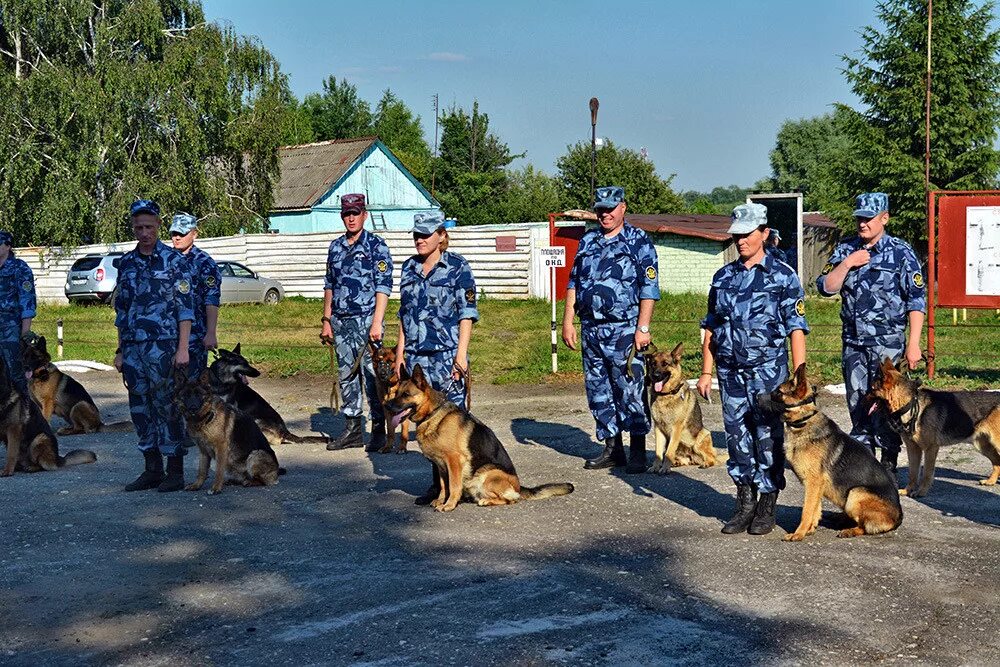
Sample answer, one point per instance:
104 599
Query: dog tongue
398 418
28 374
873 408
658 386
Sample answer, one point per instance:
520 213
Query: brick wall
687 263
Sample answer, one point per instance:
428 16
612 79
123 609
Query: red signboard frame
568 237
946 226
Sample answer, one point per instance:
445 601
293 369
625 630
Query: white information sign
982 250
552 257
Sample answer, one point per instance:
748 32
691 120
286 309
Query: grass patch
511 343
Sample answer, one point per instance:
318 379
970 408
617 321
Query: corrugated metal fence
299 260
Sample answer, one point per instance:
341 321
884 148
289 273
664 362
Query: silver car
241 285
93 278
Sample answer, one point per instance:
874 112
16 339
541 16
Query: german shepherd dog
31 444
387 384
927 420
59 393
229 373
469 461
681 438
832 465
225 434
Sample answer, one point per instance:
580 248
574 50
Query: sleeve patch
183 286
918 279
210 281
800 308
470 296
651 272
26 285
382 266
828 268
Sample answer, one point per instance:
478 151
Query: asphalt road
335 565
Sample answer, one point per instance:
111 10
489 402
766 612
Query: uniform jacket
431 306
355 273
206 288
17 297
155 294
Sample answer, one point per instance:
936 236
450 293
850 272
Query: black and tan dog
387 384
681 438
59 393
927 420
31 444
469 461
229 373
832 465
227 435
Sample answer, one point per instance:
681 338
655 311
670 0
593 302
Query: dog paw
445 507
192 487
987 482
214 491
794 537
399 451
6 473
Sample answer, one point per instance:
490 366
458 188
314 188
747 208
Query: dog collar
904 420
799 423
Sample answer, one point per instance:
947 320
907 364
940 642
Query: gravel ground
335 565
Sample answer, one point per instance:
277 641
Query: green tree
338 112
296 122
400 130
886 146
720 201
106 102
645 190
804 153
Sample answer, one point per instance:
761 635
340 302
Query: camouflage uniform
355 273
751 313
430 309
611 276
207 291
154 297
17 302
877 298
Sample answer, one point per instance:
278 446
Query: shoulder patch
828 268
470 296
26 285
382 266
183 286
651 272
800 308
210 281
918 279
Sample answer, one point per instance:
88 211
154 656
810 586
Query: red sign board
506 243
952 291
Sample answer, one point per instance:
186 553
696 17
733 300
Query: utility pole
475 112
434 157
927 119
594 104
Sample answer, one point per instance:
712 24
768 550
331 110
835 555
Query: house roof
711 227
310 170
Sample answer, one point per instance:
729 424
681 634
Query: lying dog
681 439
229 373
387 384
225 434
927 420
832 465
31 444
58 393
469 461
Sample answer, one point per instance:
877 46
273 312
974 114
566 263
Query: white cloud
447 57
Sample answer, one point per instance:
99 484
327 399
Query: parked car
241 285
93 278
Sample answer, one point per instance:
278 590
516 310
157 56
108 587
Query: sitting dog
229 373
387 384
31 444
58 393
681 439
832 465
225 434
469 461
927 420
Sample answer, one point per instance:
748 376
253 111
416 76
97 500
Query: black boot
152 475
378 437
636 454
350 437
174 481
612 456
746 499
889 459
763 515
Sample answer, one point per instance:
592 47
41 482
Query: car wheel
272 297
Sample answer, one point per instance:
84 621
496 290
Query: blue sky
702 85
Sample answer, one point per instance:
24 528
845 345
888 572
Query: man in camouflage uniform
879 279
355 295
755 303
613 287
154 311
206 288
17 308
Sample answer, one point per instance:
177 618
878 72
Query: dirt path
335 565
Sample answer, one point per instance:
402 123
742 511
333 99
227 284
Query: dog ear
180 377
404 374
205 377
236 350
418 377
801 382
887 365
678 352
901 365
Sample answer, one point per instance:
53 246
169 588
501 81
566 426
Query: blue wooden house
314 176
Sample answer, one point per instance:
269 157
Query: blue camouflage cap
428 223
182 223
608 196
747 217
141 206
871 204
6 238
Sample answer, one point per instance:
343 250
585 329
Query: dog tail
77 457
116 427
288 436
544 491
